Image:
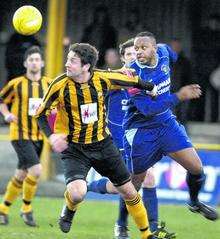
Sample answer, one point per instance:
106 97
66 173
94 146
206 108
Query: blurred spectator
112 59
100 32
206 46
181 76
15 49
132 26
215 82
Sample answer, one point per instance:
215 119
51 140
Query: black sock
195 183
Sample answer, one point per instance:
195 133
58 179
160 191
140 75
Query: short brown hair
123 46
31 50
86 52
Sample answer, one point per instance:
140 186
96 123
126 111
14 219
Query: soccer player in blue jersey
116 98
116 105
151 129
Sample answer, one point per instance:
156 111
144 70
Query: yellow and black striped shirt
81 108
21 93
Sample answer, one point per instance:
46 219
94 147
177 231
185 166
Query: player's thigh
176 143
111 165
142 150
76 166
189 159
26 153
174 137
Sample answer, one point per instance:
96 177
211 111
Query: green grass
95 220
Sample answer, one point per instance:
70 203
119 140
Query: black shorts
28 152
103 156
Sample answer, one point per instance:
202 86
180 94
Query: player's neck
153 61
83 78
33 77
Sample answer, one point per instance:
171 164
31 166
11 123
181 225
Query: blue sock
123 213
195 183
151 204
98 186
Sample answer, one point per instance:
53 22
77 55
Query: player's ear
25 64
86 67
42 64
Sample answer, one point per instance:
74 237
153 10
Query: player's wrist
152 92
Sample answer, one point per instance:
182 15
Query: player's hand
10 118
128 72
58 142
133 91
189 92
152 93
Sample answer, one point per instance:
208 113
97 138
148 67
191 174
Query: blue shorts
144 147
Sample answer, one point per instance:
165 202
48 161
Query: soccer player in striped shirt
81 132
25 94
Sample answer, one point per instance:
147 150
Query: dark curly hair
87 53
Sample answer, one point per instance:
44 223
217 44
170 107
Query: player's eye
72 60
136 48
144 48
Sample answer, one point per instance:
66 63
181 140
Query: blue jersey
151 129
142 110
116 102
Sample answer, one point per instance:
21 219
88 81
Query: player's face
145 48
34 63
73 65
129 55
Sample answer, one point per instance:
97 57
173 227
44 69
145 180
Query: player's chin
35 71
142 60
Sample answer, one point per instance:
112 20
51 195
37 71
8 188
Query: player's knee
197 168
111 188
77 191
149 181
20 175
127 191
35 170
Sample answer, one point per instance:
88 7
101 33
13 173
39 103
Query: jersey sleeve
150 107
117 80
8 92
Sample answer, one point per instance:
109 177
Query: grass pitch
95 220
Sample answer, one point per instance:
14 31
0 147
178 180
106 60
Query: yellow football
27 20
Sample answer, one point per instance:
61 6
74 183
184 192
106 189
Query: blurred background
191 27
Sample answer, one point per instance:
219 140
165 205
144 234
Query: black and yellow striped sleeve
119 80
7 93
51 96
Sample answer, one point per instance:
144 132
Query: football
27 20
